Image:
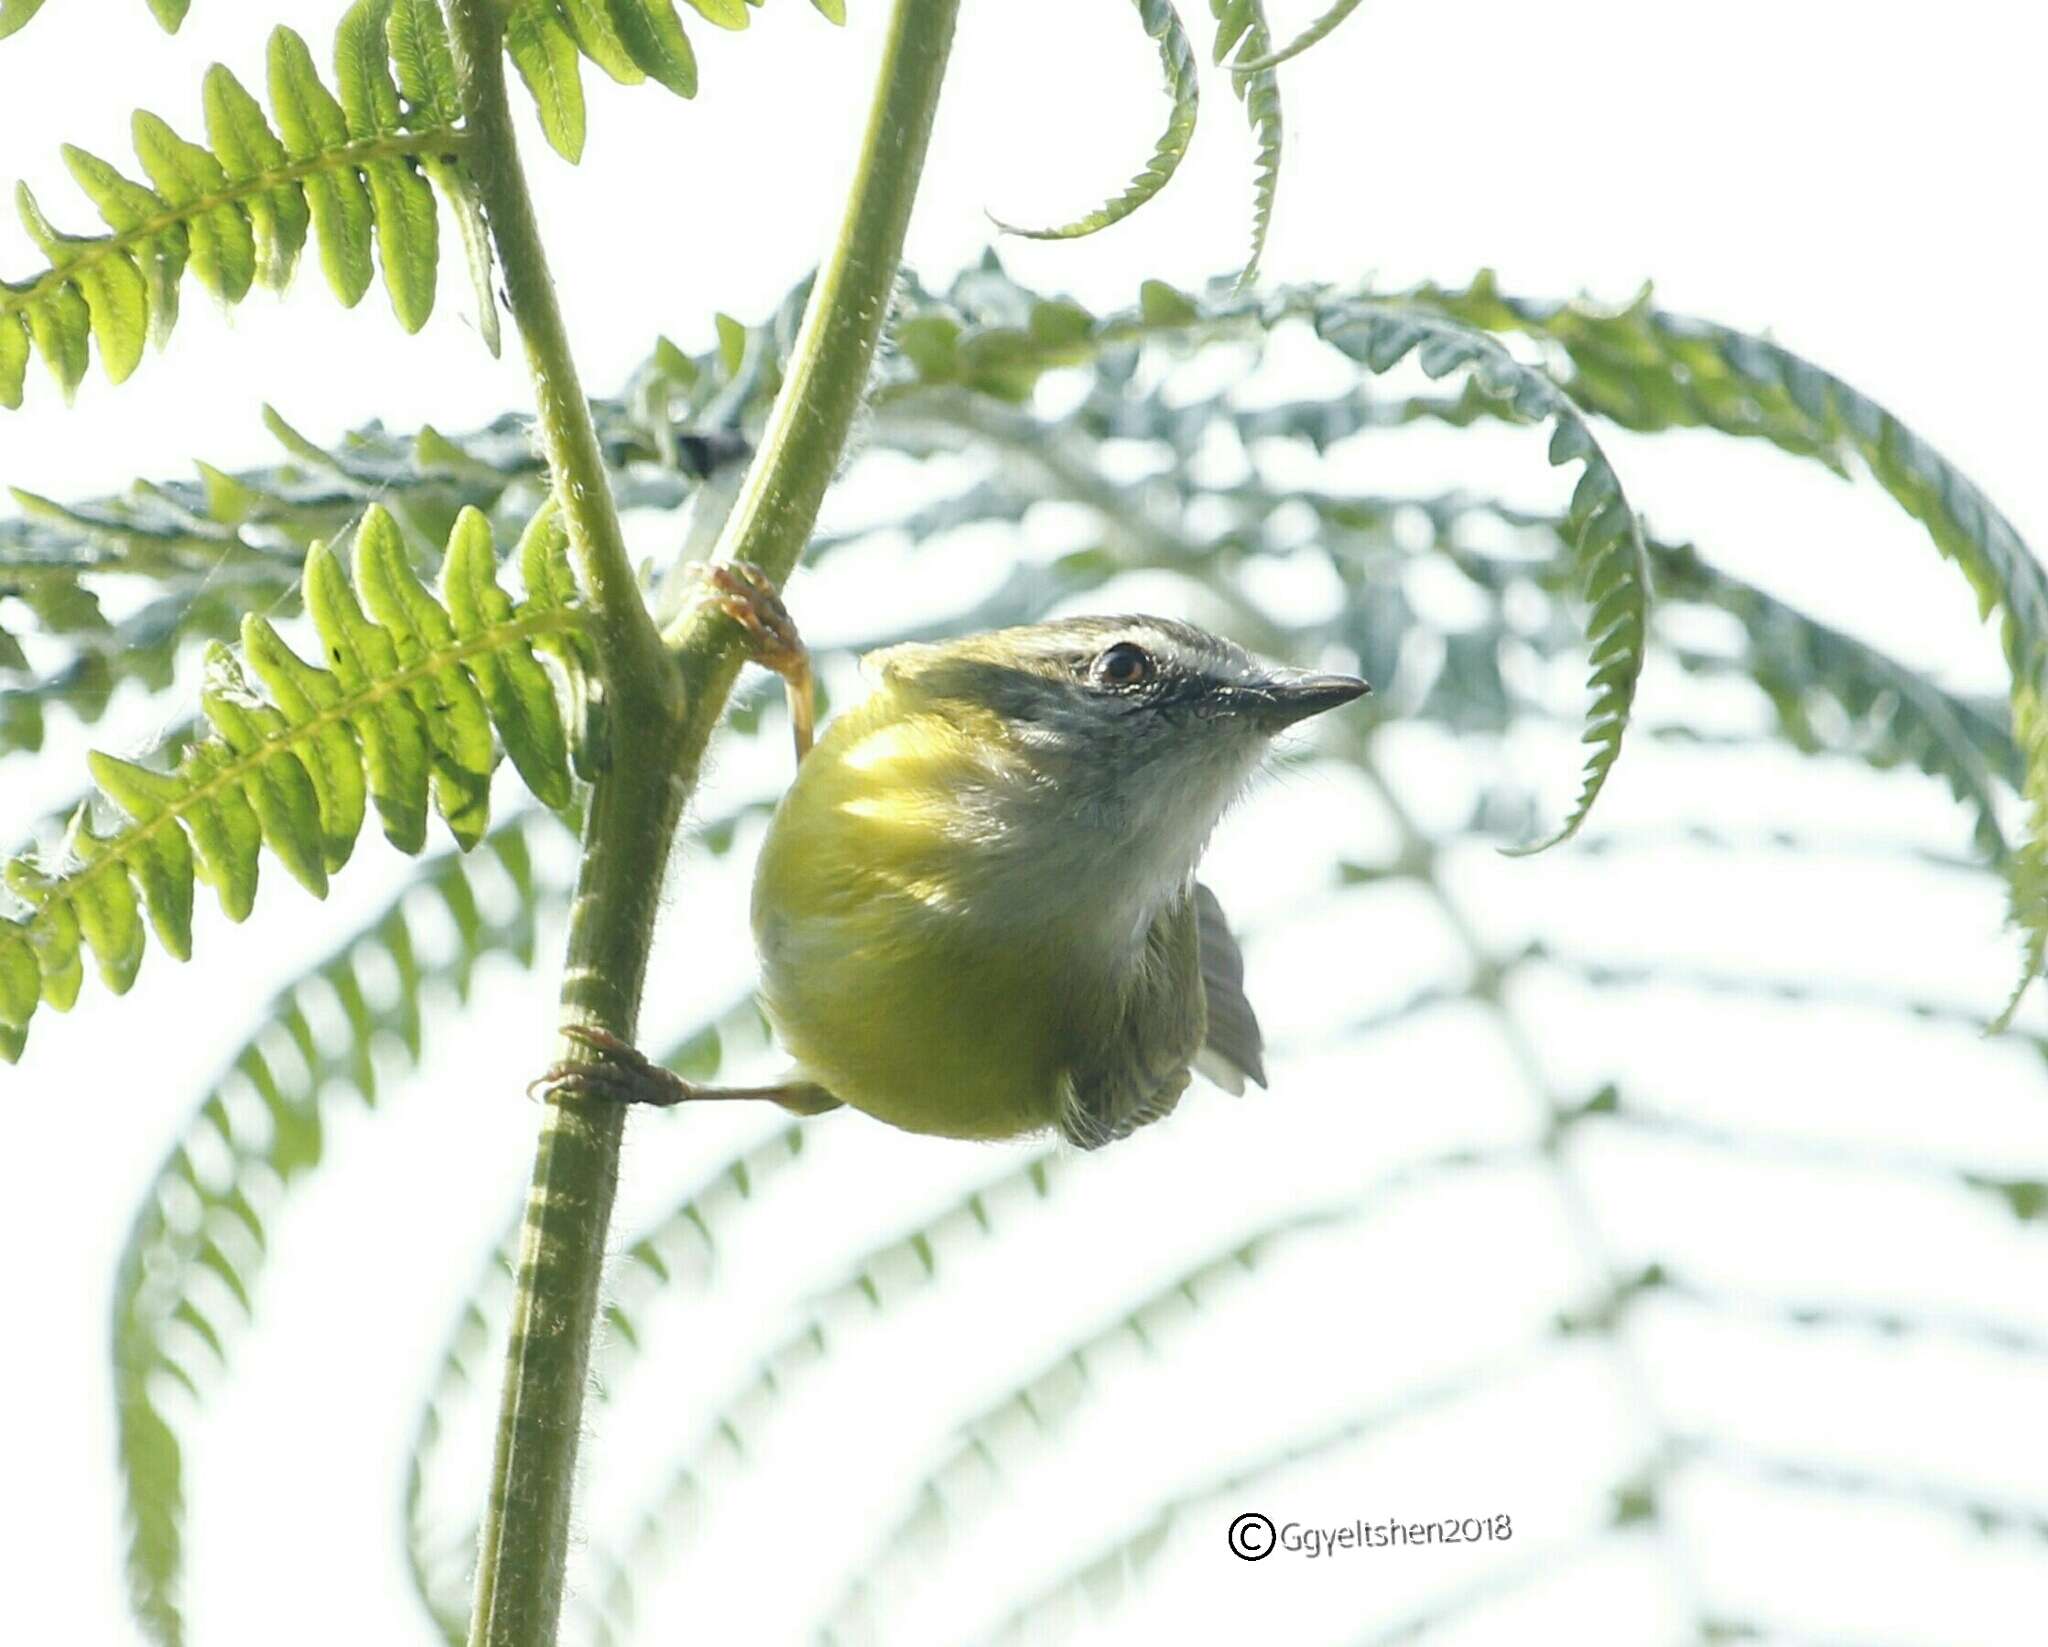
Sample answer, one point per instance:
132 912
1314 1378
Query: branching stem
662 704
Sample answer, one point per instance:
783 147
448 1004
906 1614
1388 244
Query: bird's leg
741 591
628 1076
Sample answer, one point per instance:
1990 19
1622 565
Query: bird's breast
913 959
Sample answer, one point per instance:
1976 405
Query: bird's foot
621 1072
743 592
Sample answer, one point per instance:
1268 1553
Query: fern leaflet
352 172
407 704
1242 24
1314 33
1177 57
1650 370
1606 542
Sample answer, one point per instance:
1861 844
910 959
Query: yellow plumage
976 908
878 983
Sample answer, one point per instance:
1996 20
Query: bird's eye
1124 664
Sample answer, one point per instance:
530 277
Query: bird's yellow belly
937 1038
891 988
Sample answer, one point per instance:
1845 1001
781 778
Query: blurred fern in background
1593 1190
1024 456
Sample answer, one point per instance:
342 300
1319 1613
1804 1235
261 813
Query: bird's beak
1290 695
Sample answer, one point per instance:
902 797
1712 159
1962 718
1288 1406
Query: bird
975 910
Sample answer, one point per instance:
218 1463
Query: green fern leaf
249 151
311 697
311 123
653 35
15 332
597 36
727 14
391 727
418 37
544 53
402 204
115 292
15 14
60 326
405 704
1316 31
1243 22
1606 541
420 49
512 682
1650 370
449 704
186 176
359 171
1177 55
163 861
128 208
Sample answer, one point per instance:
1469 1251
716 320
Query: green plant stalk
777 507
661 715
634 807
634 670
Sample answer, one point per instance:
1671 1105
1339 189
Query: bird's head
1140 726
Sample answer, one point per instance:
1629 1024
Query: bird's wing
1136 1072
1234 1051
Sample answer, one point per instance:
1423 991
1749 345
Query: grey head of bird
1134 733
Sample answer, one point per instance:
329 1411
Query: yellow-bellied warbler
976 908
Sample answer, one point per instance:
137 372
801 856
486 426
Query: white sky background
1861 180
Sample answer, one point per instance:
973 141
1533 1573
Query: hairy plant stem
662 703
634 808
835 349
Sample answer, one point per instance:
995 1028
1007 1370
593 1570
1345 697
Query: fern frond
1101 1579
630 40
1177 56
942 1504
877 1280
1606 541
189 1271
1316 31
1896 715
1242 24
1883 713
1986 1514
413 690
1651 370
15 13
236 211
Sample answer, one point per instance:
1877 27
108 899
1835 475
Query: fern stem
829 368
631 823
657 740
637 675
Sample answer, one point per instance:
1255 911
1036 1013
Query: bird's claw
743 592
621 1072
